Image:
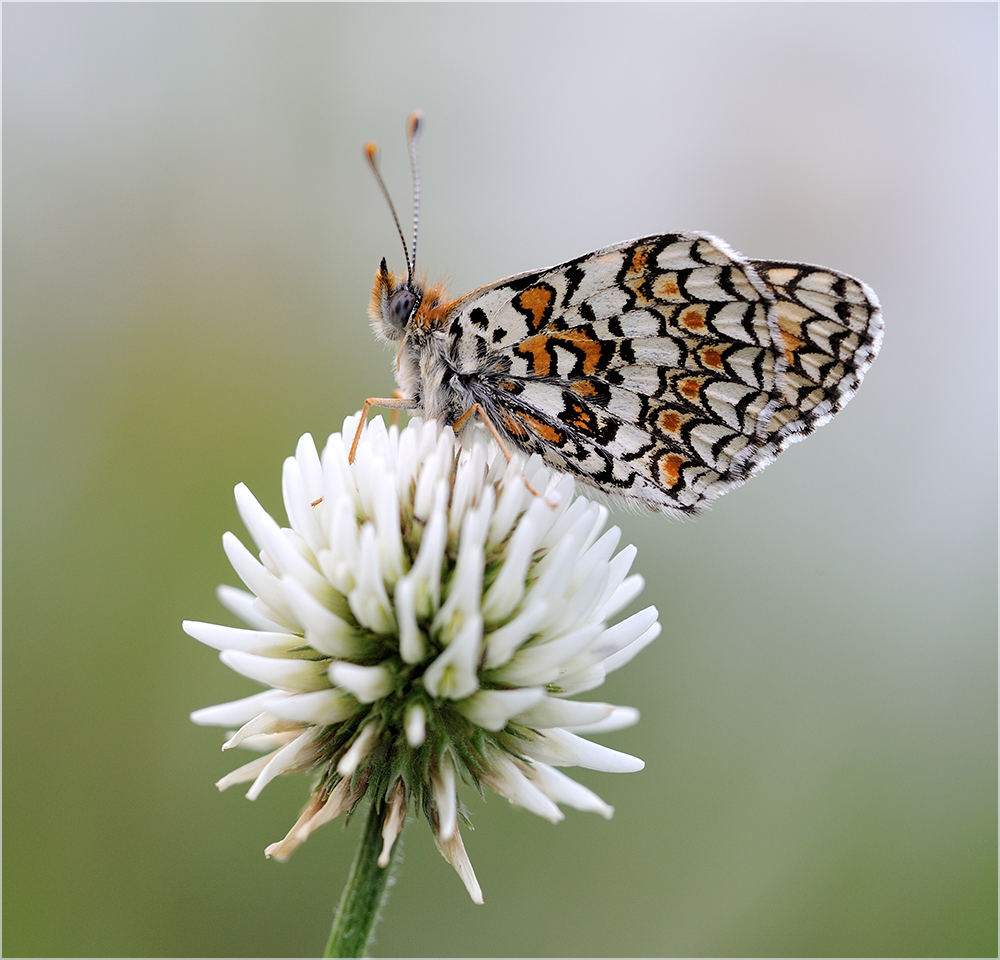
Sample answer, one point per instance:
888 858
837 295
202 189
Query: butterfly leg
390 403
394 419
477 408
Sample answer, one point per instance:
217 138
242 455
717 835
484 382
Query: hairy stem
366 892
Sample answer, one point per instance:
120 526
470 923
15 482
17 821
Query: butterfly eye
400 307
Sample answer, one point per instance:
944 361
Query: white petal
283 849
502 643
248 771
469 476
541 663
563 749
560 492
324 630
508 588
338 479
360 749
453 851
264 723
556 712
369 467
368 684
241 604
395 817
584 599
546 486
256 519
299 505
426 570
310 468
507 780
412 646
620 635
291 758
620 591
260 580
407 462
428 480
289 625
623 656
466 589
492 709
618 719
237 712
416 725
387 521
236 638
265 742
562 789
578 511
583 679
554 570
600 518
295 676
340 561
322 707
443 789
342 797
454 673
510 504
272 540
368 600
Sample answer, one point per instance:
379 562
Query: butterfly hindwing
666 369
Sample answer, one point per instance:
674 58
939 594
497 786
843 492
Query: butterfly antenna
413 124
371 155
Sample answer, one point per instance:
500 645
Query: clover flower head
425 619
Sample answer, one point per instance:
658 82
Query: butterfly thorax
412 315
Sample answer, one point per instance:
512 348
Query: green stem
366 892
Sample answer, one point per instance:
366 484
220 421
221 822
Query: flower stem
366 892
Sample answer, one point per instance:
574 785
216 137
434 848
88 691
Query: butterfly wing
666 369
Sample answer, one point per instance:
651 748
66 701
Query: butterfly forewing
666 369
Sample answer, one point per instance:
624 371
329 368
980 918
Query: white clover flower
424 619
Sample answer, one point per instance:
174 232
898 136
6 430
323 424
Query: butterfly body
665 370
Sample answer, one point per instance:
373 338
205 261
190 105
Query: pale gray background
189 240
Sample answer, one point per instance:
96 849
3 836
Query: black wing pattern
667 369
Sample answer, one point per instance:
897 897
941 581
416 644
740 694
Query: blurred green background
189 239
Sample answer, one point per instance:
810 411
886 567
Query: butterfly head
394 303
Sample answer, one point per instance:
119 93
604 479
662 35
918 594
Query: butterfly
664 370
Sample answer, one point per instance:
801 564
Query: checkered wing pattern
668 369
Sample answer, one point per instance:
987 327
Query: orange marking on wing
711 357
534 349
511 425
694 318
584 387
690 388
669 421
640 256
540 428
507 385
670 469
581 419
665 287
792 343
590 346
536 301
